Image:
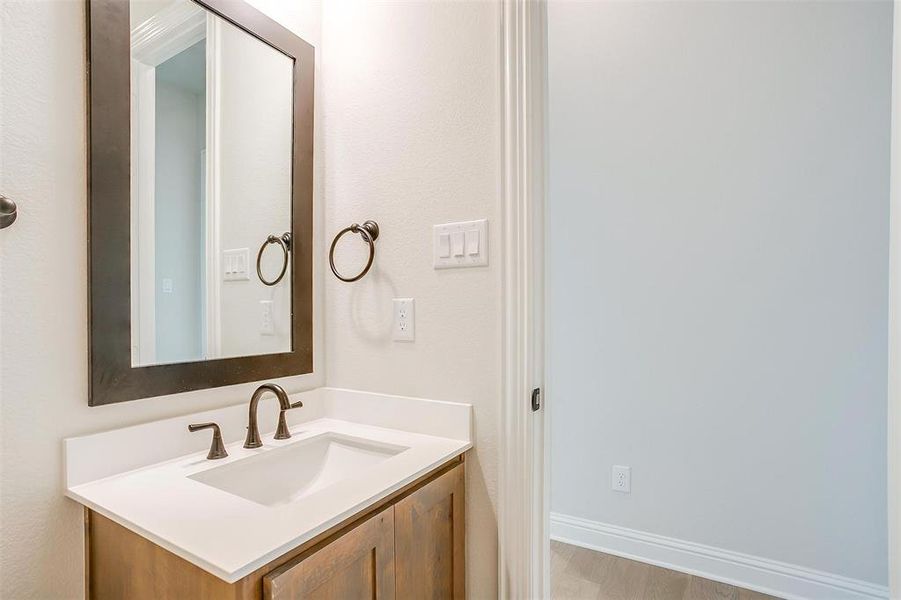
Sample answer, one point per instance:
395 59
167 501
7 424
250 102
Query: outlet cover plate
621 479
404 329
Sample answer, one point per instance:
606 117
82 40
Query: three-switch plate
621 479
463 244
234 264
404 320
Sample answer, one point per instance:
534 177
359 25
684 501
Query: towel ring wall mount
285 242
8 212
369 231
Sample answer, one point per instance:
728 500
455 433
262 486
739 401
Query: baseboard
784 580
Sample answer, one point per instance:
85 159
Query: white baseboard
784 580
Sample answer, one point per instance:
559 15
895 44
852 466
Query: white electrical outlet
404 320
267 327
622 479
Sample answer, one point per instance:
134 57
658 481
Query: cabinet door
430 548
359 564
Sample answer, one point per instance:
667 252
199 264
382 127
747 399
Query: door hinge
536 399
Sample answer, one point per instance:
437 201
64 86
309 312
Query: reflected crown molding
168 32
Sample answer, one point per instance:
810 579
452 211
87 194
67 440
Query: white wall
254 142
43 294
719 186
412 139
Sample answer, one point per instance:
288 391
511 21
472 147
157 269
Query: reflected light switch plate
234 264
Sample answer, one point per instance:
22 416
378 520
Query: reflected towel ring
369 231
285 242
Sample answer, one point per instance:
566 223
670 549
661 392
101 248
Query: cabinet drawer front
359 564
429 526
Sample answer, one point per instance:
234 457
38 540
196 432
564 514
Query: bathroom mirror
201 119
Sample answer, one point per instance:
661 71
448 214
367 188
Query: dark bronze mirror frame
113 379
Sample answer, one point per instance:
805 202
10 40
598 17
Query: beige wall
43 294
412 130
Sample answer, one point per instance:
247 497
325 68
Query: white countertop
230 536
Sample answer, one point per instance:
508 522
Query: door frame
523 507
894 353
153 42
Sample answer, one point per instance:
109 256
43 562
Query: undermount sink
284 475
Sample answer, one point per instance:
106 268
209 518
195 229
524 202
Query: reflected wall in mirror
200 117
211 112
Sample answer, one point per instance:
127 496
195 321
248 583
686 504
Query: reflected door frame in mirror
113 378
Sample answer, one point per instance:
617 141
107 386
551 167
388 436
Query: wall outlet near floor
404 320
621 481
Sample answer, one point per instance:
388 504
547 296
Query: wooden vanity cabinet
358 564
410 546
428 540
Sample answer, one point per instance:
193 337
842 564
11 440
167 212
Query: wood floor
579 574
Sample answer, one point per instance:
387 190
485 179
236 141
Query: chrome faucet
253 429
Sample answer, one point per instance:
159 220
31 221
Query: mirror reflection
211 155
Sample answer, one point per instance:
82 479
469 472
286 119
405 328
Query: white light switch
167 286
444 245
463 244
457 242
472 242
234 264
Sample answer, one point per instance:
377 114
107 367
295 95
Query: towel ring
285 242
369 231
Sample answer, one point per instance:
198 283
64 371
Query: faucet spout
253 430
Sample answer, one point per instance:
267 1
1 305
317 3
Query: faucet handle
217 448
282 433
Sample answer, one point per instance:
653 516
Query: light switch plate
463 244
235 263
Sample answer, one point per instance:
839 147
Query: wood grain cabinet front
358 564
429 526
409 546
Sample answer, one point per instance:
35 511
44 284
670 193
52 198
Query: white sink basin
284 475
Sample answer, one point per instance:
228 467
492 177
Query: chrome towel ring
369 231
285 242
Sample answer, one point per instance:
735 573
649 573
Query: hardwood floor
581 574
